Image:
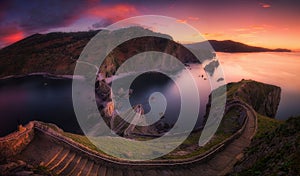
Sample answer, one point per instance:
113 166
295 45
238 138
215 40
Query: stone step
72 165
129 172
94 169
150 172
62 155
220 162
87 169
78 168
63 165
109 171
178 172
190 172
102 171
203 170
165 172
118 172
139 173
52 158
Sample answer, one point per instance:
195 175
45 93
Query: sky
266 23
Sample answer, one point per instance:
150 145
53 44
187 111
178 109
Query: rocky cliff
264 98
58 52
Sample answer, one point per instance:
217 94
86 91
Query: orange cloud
11 38
213 35
241 29
115 12
253 28
190 18
181 21
264 5
257 27
246 35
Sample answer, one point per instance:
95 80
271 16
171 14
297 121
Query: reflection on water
39 98
281 69
146 84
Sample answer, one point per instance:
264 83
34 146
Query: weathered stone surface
264 98
14 143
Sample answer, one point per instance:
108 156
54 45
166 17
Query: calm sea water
50 100
281 69
36 98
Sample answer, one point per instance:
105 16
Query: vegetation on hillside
275 149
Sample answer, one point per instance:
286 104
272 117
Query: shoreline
44 74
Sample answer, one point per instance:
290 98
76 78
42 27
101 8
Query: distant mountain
57 52
235 47
230 46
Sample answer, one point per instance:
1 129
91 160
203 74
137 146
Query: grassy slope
187 149
274 150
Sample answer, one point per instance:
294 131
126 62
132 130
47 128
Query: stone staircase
63 159
66 162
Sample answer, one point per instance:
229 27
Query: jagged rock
102 90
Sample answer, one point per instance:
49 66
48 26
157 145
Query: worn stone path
62 159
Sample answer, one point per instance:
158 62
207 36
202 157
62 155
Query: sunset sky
269 23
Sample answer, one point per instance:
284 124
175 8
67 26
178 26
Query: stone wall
14 143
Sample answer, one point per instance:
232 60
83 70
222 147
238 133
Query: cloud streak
22 18
265 5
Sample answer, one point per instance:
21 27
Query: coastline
44 74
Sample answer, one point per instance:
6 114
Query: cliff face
271 103
264 98
58 52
